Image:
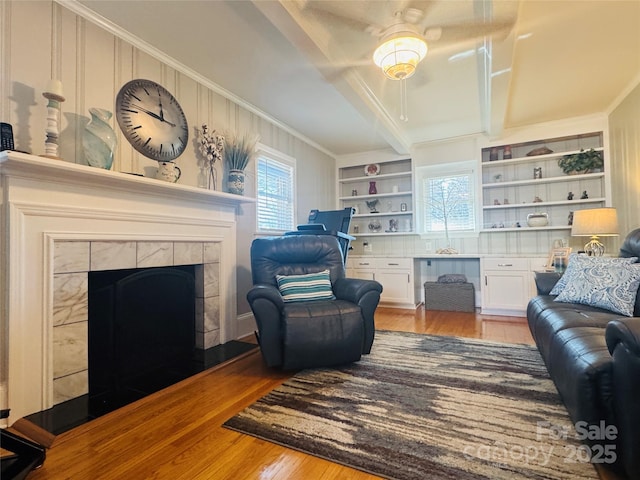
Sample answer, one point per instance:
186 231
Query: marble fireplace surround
60 220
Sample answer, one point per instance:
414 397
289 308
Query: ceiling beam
312 39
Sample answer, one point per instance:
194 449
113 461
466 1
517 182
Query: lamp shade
601 222
399 55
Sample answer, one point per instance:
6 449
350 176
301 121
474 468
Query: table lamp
594 223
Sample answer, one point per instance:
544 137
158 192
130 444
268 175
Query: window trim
423 172
276 155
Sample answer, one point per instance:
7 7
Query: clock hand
152 114
160 104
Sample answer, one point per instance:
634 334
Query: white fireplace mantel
43 201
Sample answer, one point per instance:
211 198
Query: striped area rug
427 407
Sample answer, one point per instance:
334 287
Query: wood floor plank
177 433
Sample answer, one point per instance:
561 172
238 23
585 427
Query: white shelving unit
394 186
511 190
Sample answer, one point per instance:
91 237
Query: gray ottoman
455 297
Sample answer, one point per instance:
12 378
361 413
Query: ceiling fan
402 29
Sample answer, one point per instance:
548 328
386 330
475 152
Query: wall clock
152 120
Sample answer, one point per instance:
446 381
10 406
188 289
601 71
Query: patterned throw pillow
612 286
577 263
301 288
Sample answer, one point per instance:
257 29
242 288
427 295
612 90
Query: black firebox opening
141 333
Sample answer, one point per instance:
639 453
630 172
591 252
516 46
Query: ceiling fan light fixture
399 55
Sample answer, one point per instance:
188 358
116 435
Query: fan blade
468 31
356 14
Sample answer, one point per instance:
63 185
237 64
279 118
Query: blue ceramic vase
235 182
99 139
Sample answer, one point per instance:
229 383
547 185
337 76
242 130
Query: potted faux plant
238 151
581 162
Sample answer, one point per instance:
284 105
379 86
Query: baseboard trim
246 325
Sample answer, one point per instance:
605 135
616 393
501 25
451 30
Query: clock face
152 120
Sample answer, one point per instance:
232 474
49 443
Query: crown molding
88 14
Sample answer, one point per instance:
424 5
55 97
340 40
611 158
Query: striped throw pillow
301 288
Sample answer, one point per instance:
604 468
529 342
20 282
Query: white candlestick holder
55 97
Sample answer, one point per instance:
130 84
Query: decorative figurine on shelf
372 188
374 225
507 152
570 196
584 195
493 154
570 222
506 201
371 204
518 225
393 225
496 202
497 177
537 199
354 193
537 173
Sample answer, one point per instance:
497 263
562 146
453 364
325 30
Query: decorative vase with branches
238 152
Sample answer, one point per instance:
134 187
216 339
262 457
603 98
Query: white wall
624 126
40 40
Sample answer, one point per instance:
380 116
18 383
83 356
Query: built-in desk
503 284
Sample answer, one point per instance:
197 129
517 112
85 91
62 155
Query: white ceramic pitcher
168 171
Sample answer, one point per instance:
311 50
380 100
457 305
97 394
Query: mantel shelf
34 166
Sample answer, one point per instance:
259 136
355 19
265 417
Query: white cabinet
505 285
392 183
395 274
514 187
508 284
396 277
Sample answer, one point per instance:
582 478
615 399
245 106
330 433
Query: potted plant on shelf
581 162
238 152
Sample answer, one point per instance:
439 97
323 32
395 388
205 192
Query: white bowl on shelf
538 219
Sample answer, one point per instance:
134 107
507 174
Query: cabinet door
396 286
505 290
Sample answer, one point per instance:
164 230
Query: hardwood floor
177 434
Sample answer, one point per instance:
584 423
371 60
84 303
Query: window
275 191
446 201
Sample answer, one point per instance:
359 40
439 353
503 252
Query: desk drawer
394 263
361 262
505 263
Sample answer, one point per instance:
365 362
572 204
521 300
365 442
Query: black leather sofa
593 357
